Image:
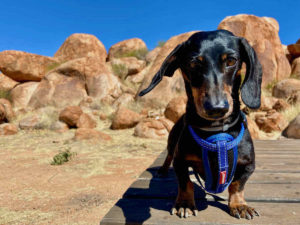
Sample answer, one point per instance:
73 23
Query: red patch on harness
222 177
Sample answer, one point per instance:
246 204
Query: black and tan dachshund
211 66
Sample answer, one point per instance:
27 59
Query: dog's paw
184 209
243 211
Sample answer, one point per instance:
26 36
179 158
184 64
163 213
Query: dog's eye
230 61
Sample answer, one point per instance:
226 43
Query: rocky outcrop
86 121
59 91
123 100
21 94
153 128
296 67
124 118
126 48
81 45
271 121
267 103
59 126
6 83
294 98
294 49
168 87
151 56
284 88
6 111
262 34
281 105
132 64
176 108
293 129
253 128
23 66
8 129
31 122
70 115
73 81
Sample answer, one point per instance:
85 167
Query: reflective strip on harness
220 143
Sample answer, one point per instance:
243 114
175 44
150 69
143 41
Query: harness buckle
222 177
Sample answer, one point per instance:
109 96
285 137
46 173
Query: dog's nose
216 110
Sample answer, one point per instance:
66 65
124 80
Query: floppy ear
167 68
251 87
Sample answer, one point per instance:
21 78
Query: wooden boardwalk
273 189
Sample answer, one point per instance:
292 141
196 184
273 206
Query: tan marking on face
200 58
236 197
224 56
185 77
228 90
198 95
192 64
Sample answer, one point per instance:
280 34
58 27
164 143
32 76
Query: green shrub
295 76
5 94
271 85
120 70
139 54
52 66
62 157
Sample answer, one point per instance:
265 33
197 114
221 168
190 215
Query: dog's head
210 63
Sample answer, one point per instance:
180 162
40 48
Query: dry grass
139 54
291 112
120 70
23 217
5 94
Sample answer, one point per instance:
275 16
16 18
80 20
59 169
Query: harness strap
220 143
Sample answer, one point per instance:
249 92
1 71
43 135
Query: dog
211 64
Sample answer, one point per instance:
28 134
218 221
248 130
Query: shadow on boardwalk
159 194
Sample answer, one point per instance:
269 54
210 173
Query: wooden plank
156 211
269 177
161 188
273 164
273 189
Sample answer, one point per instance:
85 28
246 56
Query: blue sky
41 26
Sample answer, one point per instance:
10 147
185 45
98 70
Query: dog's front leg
185 202
238 207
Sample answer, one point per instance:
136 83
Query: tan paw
184 209
243 211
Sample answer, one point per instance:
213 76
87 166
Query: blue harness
219 143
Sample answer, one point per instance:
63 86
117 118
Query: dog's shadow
138 200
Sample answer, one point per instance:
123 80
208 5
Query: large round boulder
73 81
130 47
285 88
125 118
294 49
22 93
293 129
156 128
6 83
262 34
81 45
296 67
23 66
176 108
70 115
